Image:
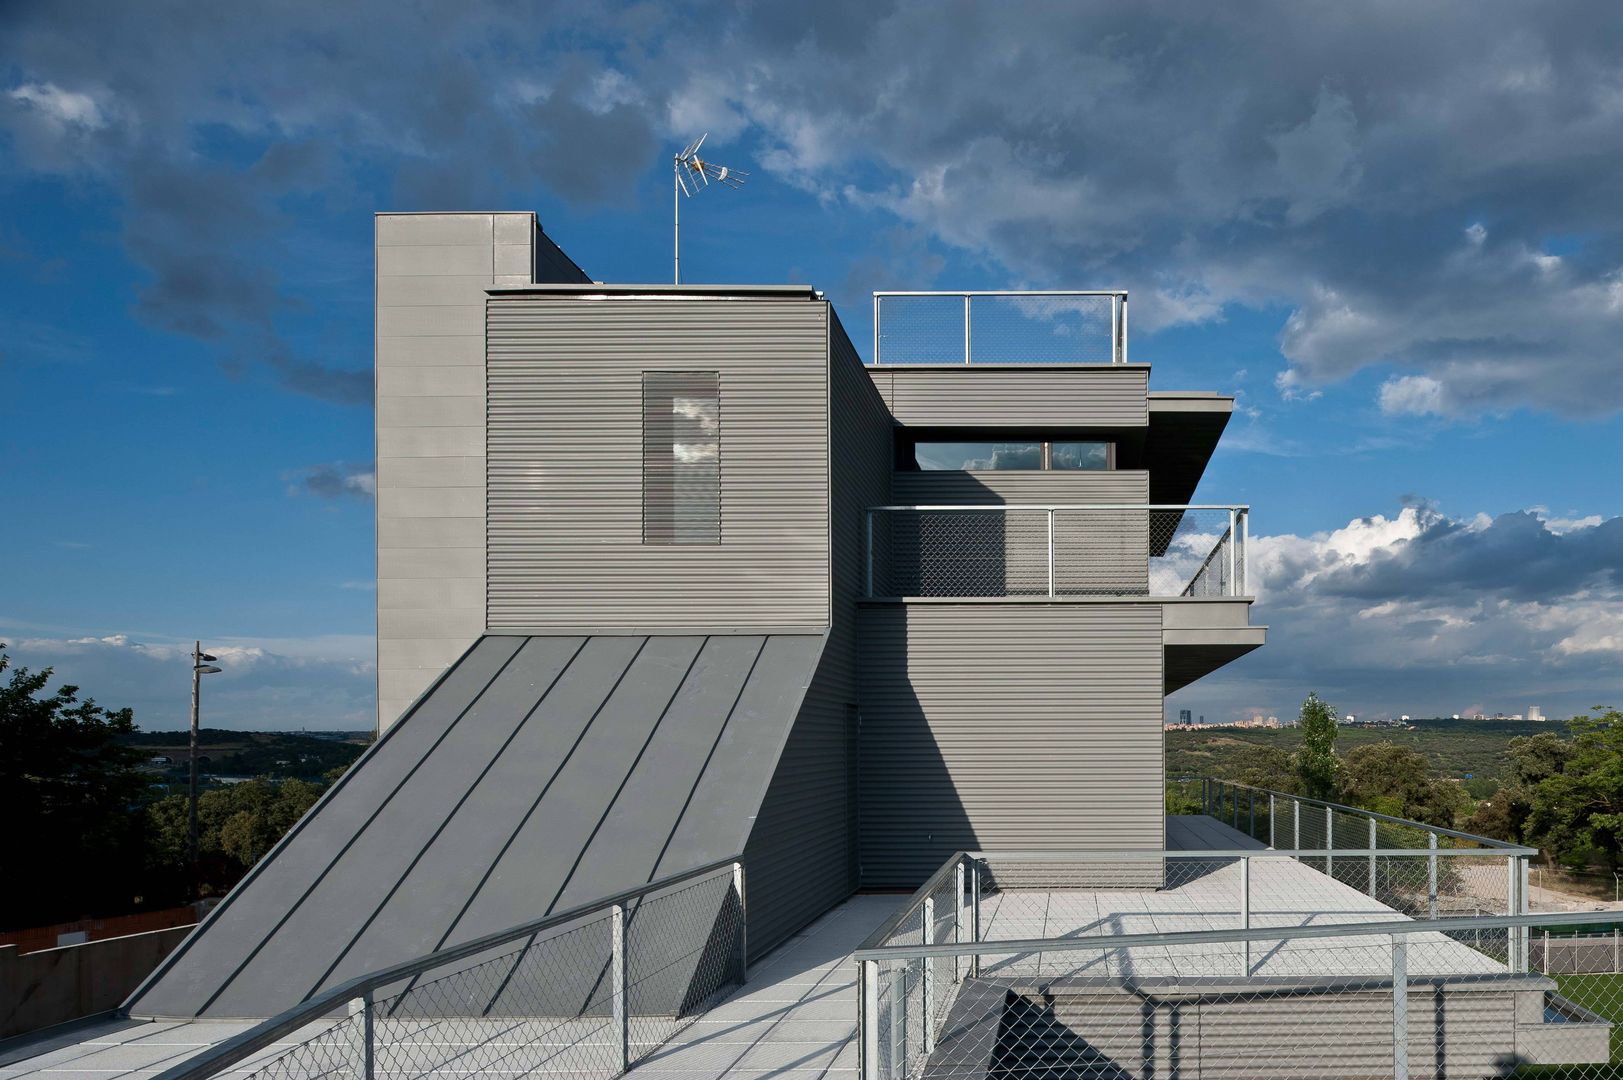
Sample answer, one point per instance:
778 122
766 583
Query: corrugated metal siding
988 726
802 853
971 396
998 488
565 464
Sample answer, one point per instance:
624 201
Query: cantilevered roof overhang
1183 432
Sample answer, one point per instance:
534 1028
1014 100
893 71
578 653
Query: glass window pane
987 456
681 457
1080 455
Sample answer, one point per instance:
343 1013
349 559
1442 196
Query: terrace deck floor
795 1019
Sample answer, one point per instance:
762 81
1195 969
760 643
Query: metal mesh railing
1000 328
586 994
1114 550
1229 963
1387 999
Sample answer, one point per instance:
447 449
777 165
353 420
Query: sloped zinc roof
540 772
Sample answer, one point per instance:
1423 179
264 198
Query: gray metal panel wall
971 396
1005 726
1013 487
565 464
802 853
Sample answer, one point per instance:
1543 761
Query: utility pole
201 665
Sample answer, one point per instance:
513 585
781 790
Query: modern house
748 709
668 573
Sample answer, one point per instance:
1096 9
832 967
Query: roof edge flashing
602 291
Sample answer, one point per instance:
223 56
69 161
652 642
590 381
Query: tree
70 788
1577 810
1266 767
1316 764
1397 780
237 825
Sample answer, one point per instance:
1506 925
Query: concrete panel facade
432 273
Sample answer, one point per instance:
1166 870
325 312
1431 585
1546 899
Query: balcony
1054 552
1037 327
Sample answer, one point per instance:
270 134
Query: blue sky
1397 239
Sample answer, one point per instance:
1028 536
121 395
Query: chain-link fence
1388 999
1582 952
588 993
995 551
1000 328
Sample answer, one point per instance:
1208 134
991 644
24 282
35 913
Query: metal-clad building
667 574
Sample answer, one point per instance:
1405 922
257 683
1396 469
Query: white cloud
62 108
326 681
1411 395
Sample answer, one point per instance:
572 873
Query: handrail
1065 506
240 1046
934 882
1117 316
1399 928
1486 841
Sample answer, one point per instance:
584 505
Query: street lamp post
201 665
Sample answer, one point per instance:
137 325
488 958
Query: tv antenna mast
693 174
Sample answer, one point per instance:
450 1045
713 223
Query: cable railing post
898 1019
967 351
1050 552
928 1008
975 924
1115 330
1546 952
1231 590
1271 819
876 329
1245 913
1245 553
1431 875
1372 845
1251 813
1296 825
868 1043
1617 951
1123 342
959 918
621 1033
743 924
1234 822
1400 1007
1329 841
1512 878
1523 906
360 1009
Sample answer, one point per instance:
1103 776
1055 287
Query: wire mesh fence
995 551
588 995
1334 1002
1000 328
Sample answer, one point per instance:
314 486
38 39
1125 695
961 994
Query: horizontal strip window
1000 456
681 457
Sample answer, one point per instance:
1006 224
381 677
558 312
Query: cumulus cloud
264 684
1421 612
1392 183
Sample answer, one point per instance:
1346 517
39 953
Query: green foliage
1265 767
69 788
236 826
1395 780
1316 764
1577 809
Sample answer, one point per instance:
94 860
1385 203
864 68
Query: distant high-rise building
1184 716
1535 714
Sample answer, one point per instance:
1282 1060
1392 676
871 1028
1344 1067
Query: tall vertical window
681 457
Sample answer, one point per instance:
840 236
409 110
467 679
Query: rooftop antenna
693 174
